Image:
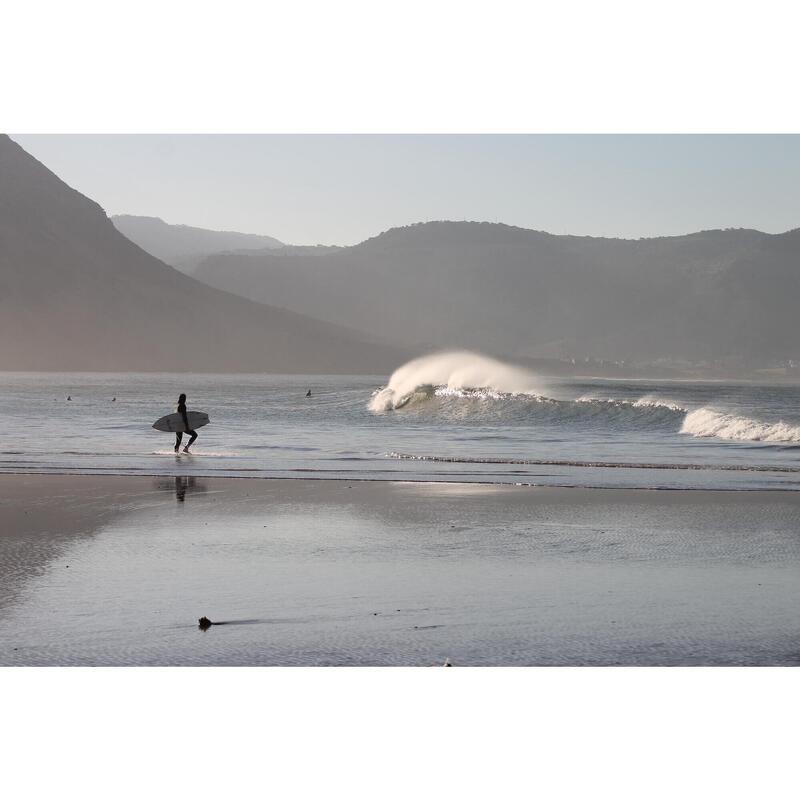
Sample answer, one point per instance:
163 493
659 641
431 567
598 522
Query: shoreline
423 481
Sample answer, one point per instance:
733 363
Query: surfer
179 435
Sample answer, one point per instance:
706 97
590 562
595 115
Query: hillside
728 296
182 246
75 294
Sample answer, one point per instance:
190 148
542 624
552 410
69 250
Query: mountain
182 246
75 294
724 295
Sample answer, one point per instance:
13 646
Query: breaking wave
463 386
454 374
705 422
467 386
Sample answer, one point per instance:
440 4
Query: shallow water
324 573
570 432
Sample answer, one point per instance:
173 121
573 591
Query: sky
342 189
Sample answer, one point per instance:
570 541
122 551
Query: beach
117 570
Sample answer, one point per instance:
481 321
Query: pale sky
341 189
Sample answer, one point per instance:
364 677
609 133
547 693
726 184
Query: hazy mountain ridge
184 246
719 295
75 294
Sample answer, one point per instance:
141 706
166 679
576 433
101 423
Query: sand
116 570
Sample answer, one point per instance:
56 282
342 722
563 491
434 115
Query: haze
310 189
711 302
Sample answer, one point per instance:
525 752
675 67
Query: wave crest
458 373
651 401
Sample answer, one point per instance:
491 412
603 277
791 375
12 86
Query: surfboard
173 423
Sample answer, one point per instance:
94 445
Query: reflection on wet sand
181 485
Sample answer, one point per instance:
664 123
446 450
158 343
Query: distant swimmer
69 397
179 435
113 399
308 393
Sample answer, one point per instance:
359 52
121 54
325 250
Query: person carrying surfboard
179 435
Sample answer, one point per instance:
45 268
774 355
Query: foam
705 422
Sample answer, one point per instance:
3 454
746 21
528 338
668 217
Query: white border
418 66
391 733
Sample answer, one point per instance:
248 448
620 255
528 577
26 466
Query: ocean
453 417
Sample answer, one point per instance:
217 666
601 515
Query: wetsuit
179 434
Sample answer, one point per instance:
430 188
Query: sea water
450 421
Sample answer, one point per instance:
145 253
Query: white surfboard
173 423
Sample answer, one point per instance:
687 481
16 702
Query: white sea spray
453 373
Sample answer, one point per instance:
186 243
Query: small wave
542 462
650 401
705 422
593 399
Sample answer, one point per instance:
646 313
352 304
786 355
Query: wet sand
113 570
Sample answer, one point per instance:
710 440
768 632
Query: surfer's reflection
182 485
